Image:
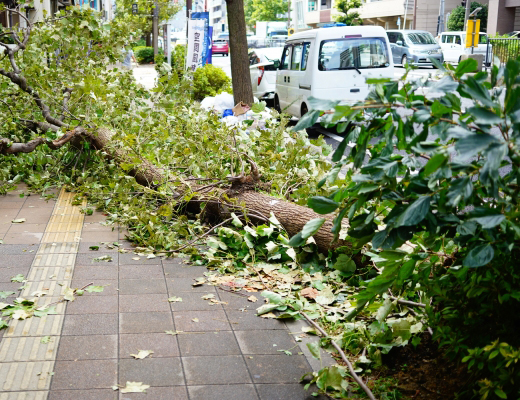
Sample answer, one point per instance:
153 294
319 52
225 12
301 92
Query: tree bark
240 75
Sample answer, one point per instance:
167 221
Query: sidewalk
145 74
223 352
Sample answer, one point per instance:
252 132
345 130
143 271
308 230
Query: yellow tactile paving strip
27 364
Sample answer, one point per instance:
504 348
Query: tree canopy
264 10
456 19
348 17
143 20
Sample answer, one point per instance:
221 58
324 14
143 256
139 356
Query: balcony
385 8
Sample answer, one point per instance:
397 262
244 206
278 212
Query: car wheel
404 60
277 104
304 110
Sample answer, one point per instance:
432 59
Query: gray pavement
221 351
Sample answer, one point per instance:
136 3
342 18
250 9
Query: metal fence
254 43
503 48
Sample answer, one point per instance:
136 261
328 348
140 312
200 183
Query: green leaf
6 294
314 348
500 393
338 154
258 107
487 217
435 163
312 227
94 289
479 256
473 144
460 188
484 116
297 240
274 298
321 104
415 213
345 264
322 205
18 278
466 66
94 248
445 85
307 121
236 221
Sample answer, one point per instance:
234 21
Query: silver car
414 47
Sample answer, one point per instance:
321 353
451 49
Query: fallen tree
239 193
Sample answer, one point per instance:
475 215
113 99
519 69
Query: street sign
472 33
134 8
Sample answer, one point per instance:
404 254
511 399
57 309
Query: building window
312 5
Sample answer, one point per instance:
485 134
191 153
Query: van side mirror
276 64
399 43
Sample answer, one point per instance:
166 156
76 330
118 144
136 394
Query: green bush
144 55
159 59
210 81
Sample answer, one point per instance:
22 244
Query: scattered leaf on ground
68 294
173 333
268 315
136 258
287 352
142 354
252 299
195 320
103 258
199 282
94 248
215 301
18 221
134 387
4 295
93 289
208 296
174 299
39 293
309 292
45 339
115 387
18 278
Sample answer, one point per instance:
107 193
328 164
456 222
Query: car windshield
219 42
421 38
358 53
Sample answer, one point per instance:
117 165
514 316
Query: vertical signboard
204 16
167 40
196 43
210 45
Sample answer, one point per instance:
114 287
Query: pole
441 19
188 14
405 12
414 14
466 15
473 33
155 29
288 14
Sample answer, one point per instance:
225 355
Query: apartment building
218 16
503 16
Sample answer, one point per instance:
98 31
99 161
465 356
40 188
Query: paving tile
24 375
22 238
11 205
248 320
50 324
99 236
192 301
88 374
88 304
178 285
92 394
7 215
287 392
208 344
35 215
27 227
163 345
40 202
6 273
140 271
58 248
93 347
103 271
277 368
97 227
60 237
4 228
143 303
90 324
152 371
158 393
239 300
148 322
219 392
217 370
177 270
51 259
207 321
11 287
96 217
20 349
110 286
265 341
142 286
87 259
17 260
128 259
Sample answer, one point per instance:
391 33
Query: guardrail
503 48
261 43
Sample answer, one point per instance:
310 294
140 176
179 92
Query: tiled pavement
224 352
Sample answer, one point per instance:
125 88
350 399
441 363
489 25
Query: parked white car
332 64
453 45
262 66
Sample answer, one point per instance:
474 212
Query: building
503 16
218 16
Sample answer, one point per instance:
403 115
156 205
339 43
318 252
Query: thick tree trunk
240 75
148 37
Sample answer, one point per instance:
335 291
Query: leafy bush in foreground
436 207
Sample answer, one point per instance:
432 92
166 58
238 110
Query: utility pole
414 14
405 12
466 16
155 29
288 14
188 14
441 18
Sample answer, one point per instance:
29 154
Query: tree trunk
240 75
148 37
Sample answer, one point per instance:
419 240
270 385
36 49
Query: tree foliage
348 17
142 22
268 10
456 19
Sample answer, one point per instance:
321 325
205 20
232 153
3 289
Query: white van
331 64
453 45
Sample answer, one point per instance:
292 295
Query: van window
482 39
340 54
305 56
421 38
296 57
446 39
286 57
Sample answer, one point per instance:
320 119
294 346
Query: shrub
144 55
210 81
